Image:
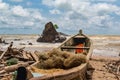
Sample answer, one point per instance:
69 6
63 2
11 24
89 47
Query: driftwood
34 56
24 59
3 54
2 75
14 67
20 58
6 50
25 55
114 68
29 56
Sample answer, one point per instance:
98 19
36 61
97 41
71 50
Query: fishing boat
77 44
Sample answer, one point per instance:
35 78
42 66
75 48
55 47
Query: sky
92 16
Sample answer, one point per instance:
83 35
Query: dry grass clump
60 60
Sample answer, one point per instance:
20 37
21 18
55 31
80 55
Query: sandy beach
106 48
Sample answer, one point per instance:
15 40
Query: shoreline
103 45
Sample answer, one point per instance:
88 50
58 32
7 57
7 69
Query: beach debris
12 58
17 39
11 61
60 60
89 72
22 44
114 68
50 34
30 43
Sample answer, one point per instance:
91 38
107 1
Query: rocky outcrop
0 40
50 34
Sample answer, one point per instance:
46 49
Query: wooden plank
79 36
9 47
73 47
3 54
34 56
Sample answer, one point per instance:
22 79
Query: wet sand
106 48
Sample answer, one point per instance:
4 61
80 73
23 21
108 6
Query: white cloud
85 14
3 6
16 0
18 16
37 15
81 14
19 11
102 0
28 23
55 11
48 2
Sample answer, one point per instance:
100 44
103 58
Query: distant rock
30 43
50 34
1 40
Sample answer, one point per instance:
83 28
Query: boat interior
77 44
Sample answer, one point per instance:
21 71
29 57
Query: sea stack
50 34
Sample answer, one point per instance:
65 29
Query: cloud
3 6
86 14
19 11
102 0
91 15
16 0
55 11
18 17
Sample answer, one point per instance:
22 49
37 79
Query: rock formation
0 40
50 34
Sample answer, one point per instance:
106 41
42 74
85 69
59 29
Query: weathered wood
3 54
14 67
34 56
29 56
25 55
79 36
20 58
74 47
11 44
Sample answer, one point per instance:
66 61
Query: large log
14 67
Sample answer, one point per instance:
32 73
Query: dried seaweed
60 60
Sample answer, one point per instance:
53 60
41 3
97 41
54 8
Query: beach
105 48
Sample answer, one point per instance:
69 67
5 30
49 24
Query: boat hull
76 73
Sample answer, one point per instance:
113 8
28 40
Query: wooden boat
76 44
